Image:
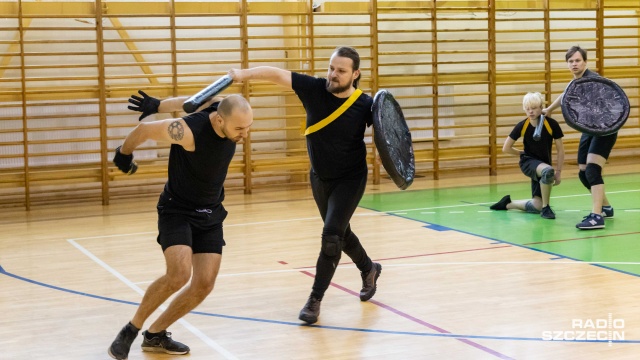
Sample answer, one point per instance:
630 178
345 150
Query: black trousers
337 200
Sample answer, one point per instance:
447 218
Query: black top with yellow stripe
338 149
541 149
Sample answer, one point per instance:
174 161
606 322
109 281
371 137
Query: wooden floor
72 276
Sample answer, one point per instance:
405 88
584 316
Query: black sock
502 204
149 335
133 326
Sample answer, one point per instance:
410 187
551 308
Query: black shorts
200 229
599 145
529 167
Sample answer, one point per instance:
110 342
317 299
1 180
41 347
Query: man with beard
337 116
190 211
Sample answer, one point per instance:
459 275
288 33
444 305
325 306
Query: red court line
444 253
419 255
585 238
416 320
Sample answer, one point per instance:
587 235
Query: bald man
190 212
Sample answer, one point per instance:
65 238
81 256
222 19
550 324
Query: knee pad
583 179
547 176
594 174
530 208
331 245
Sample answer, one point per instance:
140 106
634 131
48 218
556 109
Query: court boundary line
524 247
416 320
194 330
329 327
392 212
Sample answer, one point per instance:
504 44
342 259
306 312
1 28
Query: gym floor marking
207 340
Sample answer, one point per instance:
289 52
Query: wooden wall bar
458 68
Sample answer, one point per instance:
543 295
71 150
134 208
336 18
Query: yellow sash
326 121
526 124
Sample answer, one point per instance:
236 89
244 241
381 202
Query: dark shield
393 139
595 105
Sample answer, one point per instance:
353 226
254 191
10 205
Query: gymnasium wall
458 68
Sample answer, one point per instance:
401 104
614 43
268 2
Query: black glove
146 104
125 162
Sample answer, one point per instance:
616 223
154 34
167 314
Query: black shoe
591 221
369 281
502 204
163 342
547 213
310 311
607 212
120 347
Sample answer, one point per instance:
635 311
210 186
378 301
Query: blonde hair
532 100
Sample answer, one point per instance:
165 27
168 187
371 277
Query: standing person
338 162
535 160
190 213
593 151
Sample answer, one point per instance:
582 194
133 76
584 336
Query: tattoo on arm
176 130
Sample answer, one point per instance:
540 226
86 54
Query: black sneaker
502 204
592 221
310 311
163 343
369 281
547 213
120 347
607 212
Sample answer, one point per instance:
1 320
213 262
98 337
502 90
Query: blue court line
18 277
338 328
498 241
437 227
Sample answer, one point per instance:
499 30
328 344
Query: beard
236 139
336 89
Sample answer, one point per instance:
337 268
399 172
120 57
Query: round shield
595 105
393 139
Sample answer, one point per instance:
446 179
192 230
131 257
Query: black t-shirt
196 178
338 149
540 149
589 73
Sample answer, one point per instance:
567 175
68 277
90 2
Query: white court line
465 263
485 203
229 225
108 236
214 345
373 213
520 263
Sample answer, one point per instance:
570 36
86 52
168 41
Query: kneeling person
535 160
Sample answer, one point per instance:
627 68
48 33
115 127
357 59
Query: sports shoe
120 347
369 281
592 221
502 204
163 343
607 212
310 311
547 213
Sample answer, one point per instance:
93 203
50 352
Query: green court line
466 209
